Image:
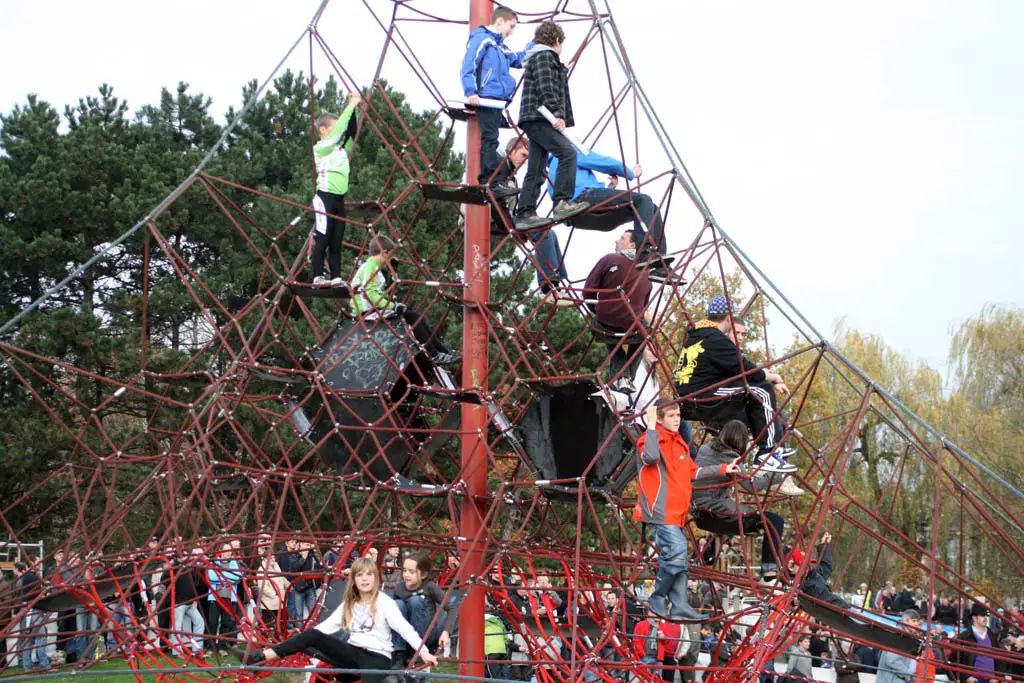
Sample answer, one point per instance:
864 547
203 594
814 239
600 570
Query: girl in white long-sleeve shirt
367 616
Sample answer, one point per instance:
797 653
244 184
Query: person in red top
655 641
622 290
665 487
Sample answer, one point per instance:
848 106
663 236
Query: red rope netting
290 420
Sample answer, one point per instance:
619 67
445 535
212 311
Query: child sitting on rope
365 617
716 508
419 599
370 301
337 134
665 486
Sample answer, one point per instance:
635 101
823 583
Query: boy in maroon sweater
622 292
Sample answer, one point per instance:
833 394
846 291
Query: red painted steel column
474 417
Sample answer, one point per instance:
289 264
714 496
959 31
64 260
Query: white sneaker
625 385
321 280
335 282
773 462
789 488
560 299
785 452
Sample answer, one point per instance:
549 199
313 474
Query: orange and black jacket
666 473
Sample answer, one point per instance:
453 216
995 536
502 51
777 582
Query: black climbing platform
469 113
868 631
461 194
307 290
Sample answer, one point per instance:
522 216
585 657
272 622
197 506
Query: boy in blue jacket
616 207
485 74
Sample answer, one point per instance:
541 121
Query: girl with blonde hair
357 635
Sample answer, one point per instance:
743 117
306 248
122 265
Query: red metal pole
474 417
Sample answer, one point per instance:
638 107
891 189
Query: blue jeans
33 640
418 614
86 623
550 267
686 431
122 635
651 661
496 670
672 550
305 602
619 209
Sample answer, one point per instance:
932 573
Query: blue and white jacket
586 164
485 68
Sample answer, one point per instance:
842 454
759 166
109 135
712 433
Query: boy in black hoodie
712 357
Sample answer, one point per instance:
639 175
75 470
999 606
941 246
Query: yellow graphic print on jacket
688 362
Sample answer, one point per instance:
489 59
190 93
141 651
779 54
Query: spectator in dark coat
945 612
904 600
980 667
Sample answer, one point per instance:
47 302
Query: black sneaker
247 655
502 190
648 256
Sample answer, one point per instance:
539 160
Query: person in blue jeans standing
485 74
32 628
546 85
222 574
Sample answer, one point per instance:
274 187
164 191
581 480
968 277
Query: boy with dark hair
516 153
369 299
337 134
550 266
546 84
665 486
485 74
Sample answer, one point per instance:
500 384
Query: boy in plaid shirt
546 83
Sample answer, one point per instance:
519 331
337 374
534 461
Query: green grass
118 672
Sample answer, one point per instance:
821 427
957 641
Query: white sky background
866 155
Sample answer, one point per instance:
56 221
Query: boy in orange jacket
666 473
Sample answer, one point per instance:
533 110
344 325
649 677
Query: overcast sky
868 155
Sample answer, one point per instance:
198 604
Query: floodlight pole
474 417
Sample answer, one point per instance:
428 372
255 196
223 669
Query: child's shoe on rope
567 209
247 655
775 461
789 488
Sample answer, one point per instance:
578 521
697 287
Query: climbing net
266 412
